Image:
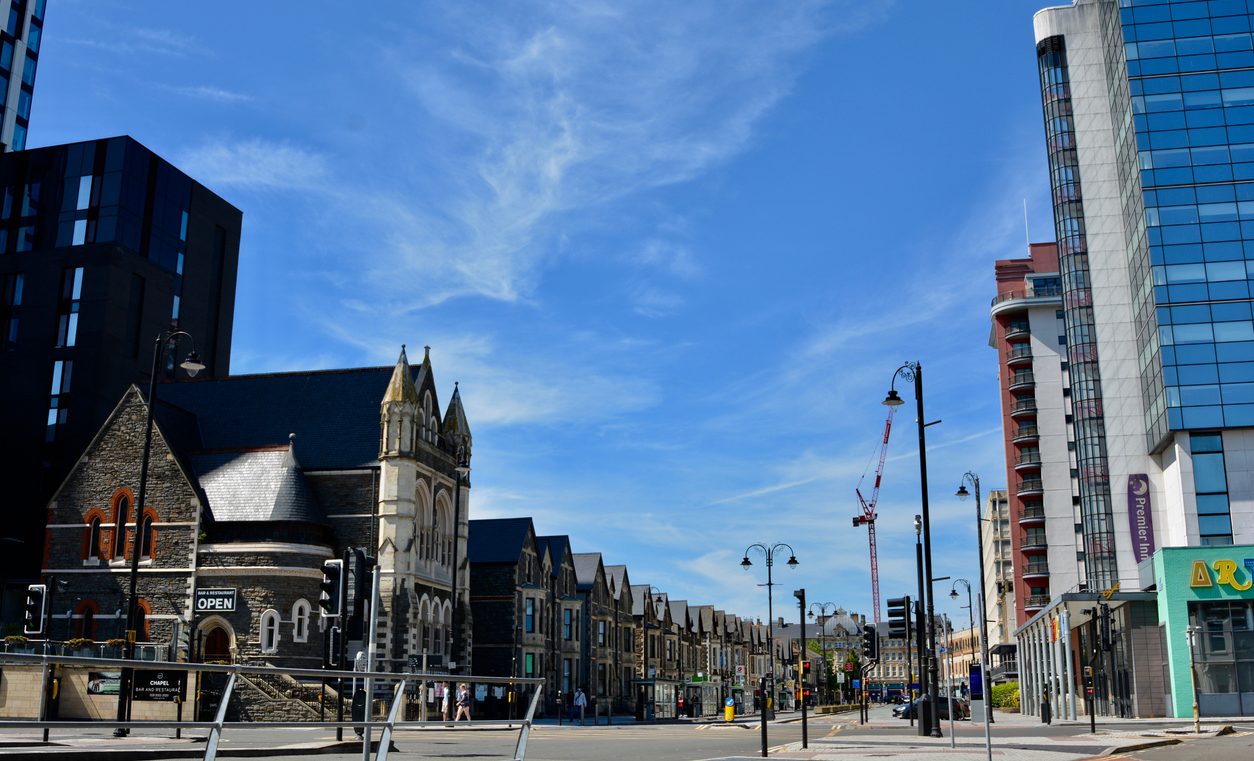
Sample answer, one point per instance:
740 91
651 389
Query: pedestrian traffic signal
805 668
899 617
870 643
332 599
33 612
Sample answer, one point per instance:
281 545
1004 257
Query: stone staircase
277 697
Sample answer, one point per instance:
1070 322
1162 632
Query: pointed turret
399 412
456 427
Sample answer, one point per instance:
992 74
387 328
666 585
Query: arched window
148 536
300 621
93 539
144 610
85 612
121 515
270 631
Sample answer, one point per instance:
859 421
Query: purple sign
1140 516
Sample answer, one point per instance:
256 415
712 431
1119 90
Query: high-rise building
103 244
19 58
999 586
1149 127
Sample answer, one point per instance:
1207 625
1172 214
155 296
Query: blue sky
673 252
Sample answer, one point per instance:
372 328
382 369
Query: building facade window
93 540
121 515
568 624
10 308
58 403
68 307
300 621
270 631
148 535
529 615
1210 482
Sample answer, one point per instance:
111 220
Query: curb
28 753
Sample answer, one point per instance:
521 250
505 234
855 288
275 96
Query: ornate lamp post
962 493
769 553
913 371
166 340
822 618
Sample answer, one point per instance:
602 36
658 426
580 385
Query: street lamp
962 494
166 340
644 650
463 470
746 564
822 618
913 371
953 595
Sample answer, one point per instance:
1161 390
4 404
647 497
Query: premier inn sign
215 600
1223 573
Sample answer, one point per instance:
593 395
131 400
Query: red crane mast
867 517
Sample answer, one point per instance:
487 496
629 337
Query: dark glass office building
102 245
20 38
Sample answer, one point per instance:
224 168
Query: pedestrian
447 699
463 702
581 702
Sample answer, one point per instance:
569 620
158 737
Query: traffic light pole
800 594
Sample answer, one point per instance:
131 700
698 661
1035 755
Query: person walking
463 702
581 702
446 701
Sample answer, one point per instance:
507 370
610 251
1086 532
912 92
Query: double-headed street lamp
822 617
746 564
166 340
644 648
962 494
913 371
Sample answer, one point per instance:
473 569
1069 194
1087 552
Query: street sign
215 600
840 677
164 686
849 666
740 671
857 684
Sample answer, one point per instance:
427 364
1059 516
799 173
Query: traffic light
33 612
805 669
332 599
331 656
899 617
1104 625
870 643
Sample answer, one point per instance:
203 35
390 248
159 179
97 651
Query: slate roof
616 573
557 545
586 564
335 413
497 540
265 485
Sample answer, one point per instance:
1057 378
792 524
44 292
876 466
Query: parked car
962 709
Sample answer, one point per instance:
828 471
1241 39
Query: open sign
215 600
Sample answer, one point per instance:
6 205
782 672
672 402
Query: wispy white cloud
255 163
208 92
124 40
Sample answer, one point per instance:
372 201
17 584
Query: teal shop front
1211 588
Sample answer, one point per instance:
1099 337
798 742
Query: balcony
1013 301
1036 569
1036 602
1032 514
1034 541
1019 355
1023 408
1030 487
1028 461
1022 380
1026 432
1018 330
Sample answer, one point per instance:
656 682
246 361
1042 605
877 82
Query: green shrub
1006 696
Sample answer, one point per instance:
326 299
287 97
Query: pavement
1013 736
832 737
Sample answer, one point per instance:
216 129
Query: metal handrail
219 723
1033 293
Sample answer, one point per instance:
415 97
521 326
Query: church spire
399 411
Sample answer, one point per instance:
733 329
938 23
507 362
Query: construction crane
867 518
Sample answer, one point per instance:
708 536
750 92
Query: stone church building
254 482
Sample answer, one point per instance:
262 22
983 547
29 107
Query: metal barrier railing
219 723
